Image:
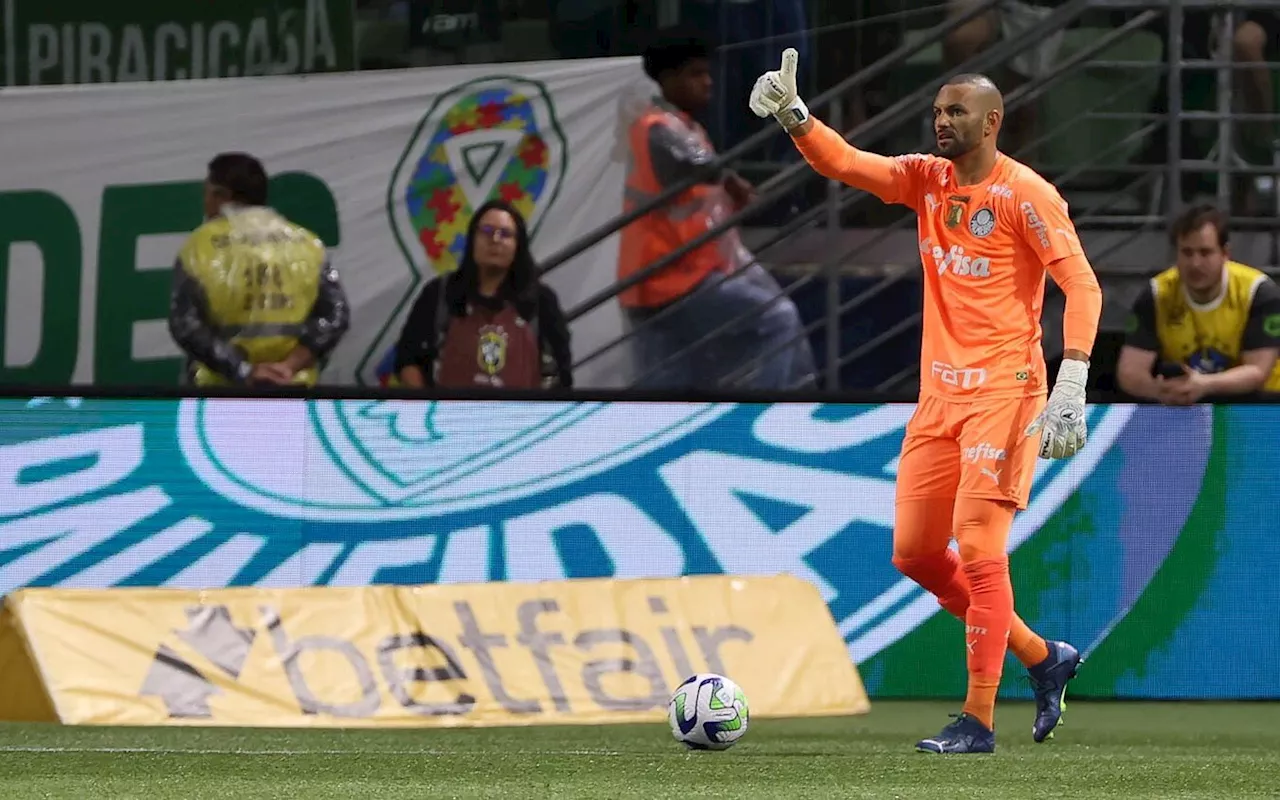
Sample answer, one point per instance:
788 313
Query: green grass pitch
1170 751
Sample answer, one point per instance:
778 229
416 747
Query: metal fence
1142 110
1130 86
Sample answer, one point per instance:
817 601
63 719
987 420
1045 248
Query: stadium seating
1064 110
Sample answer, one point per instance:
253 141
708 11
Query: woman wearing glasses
491 323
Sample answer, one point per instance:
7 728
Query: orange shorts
970 449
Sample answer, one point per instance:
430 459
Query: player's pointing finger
790 61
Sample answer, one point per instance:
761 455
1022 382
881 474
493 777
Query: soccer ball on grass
708 712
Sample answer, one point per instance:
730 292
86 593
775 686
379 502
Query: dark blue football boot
1049 680
965 735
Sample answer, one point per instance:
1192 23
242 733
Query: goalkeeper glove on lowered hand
1062 425
775 93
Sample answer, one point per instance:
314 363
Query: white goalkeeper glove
1062 425
775 93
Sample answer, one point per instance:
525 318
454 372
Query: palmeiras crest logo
372 461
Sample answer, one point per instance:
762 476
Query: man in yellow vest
255 300
1206 327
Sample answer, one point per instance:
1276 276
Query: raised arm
890 179
893 180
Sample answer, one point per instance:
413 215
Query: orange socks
972 585
942 576
987 633
1026 644
980 701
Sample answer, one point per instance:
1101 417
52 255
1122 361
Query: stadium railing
1125 57
839 197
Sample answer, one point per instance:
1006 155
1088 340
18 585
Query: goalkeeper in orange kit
989 230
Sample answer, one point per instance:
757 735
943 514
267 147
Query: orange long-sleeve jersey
985 248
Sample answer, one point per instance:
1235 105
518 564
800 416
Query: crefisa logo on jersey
956 261
1035 223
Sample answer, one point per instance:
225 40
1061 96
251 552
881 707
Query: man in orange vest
679 310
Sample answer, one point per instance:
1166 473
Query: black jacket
423 330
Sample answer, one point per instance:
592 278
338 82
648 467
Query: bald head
981 89
967 115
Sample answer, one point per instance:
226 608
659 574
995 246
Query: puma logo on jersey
1001 191
957 262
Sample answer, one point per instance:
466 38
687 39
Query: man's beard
957 149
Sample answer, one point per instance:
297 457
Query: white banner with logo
101 184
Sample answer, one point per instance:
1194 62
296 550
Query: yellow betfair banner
22 694
582 651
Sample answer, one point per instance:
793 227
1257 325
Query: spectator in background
1254 34
254 299
491 323
1206 327
715 283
